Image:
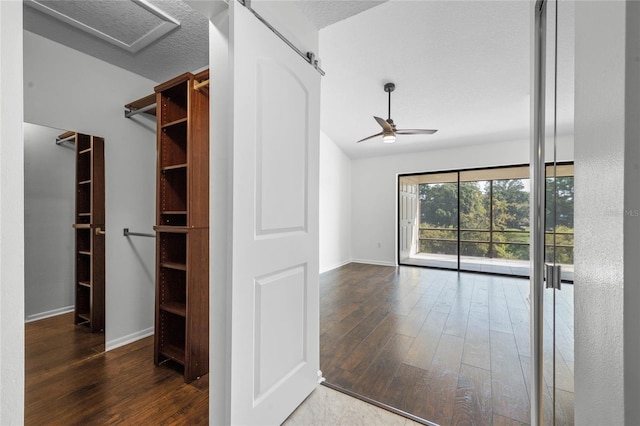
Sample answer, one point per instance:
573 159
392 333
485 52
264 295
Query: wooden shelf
84 284
174 167
81 225
175 308
143 102
174 123
84 182
67 134
85 252
174 212
173 352
175 81
169 229
174 265
84 214
85 151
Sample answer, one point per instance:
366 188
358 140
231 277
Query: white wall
49 200
601 264
374 189
335 205
67 89
221 214
11 216
632 217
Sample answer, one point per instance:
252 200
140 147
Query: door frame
537 170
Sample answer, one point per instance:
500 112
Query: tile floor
326 406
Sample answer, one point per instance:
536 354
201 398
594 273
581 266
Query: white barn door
274 294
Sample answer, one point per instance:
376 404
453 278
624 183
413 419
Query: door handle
553 276
99 231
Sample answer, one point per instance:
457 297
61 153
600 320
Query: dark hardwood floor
69 379
449 348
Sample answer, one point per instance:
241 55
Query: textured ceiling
326 12
459 66
184 49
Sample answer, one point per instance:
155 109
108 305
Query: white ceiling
183 49
327 12
461 67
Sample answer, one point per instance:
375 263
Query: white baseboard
337 265
130 338
49 314
374 262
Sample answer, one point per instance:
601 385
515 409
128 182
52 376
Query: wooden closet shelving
182 225
89 231
142 103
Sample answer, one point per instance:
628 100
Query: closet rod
67 139
131 113
126 233
198 85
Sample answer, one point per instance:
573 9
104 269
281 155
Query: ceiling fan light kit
389 130
388 138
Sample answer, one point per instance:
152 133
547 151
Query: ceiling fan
389 130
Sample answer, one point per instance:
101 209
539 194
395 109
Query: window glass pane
438 231
474 249
439 205
474 205
494 219
511 251
559 220
511 204
475 218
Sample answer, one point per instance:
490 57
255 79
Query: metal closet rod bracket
130 113
67 139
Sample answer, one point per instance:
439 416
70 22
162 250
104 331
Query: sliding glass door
478 220
433 221
495 220
552 379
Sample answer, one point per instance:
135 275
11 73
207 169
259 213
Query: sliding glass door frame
537 212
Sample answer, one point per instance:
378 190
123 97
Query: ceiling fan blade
415 131
384 124
370 137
